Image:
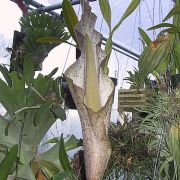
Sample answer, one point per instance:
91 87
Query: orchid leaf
70 17
132 6
162 25
144 36
106 11
63 158
174 11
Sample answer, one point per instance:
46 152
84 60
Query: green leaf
70 17
42 113
5 73
63 158
63 176
172 30
8 162
162 25
8 124
177 59
174 11
28 68
174 145
6 97
51 39
48 167
51 74
133 5
59 112
108 46
144 36
106 11
52 140
72 143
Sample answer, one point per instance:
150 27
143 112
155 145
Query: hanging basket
132 99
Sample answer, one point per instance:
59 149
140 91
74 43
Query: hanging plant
35 26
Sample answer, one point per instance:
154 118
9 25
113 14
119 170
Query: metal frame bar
59 6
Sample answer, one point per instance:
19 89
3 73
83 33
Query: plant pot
132 99
18 53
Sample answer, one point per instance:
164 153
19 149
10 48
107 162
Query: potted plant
138 95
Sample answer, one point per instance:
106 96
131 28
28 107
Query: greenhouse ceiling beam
135 55
42 8
122 52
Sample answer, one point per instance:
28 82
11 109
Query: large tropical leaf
8 162
5 73
28 68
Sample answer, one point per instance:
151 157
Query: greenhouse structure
90 90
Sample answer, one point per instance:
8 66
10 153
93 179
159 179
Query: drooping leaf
162 25
174 11
172 30
8 124
28 68
132 6
63 158
5 73
108 47
106 11
52 40
92 90
52 140
59 112
41 113
51 74
6 98
144 36
8 162
70 17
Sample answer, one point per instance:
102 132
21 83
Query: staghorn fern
35 26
